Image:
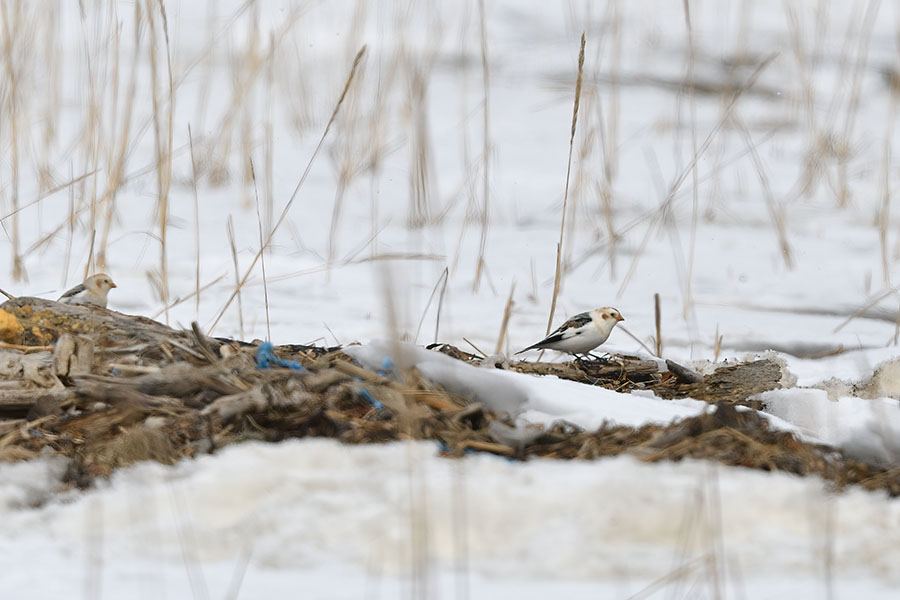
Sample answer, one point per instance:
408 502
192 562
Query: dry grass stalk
609 132
477 349
687 300
51 60
193 294
442 284
117 161
196 224
661 214
162 137
290 202
562 226
657 319
884 218
717 345
13 21
859 69
269 141
262 258
486 147
237 280
504 325
777 212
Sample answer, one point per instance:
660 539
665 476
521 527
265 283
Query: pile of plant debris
106 390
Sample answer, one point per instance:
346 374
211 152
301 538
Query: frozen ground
805 156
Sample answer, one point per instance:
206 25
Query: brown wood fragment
732 383
28 370
492 447
17 403
73 355
684 374
44 321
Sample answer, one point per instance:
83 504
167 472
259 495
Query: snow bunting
92 291
582 333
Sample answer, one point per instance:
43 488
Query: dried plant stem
486 149
884 219
657 318
196 223
193 294
852 111
12 112
262 257
119 152
89 264
562 226
717 345
504 325
290 202
442 284
163 143
237 281
687 300
477 349
776 211
663 211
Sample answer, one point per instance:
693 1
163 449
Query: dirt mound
112 390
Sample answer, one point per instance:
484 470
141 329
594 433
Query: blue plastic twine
266 359
376 403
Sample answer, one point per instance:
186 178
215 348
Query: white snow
867 429
533 399
334 521
343 522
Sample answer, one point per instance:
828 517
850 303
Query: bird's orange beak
620 318
112 285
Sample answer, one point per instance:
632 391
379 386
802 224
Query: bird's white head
99 284
606 318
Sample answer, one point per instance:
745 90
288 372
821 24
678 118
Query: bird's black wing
75 290
578 320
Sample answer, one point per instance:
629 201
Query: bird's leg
604 359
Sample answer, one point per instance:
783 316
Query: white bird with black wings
92 291
581 333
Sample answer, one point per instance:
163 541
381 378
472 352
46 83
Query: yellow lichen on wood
11 330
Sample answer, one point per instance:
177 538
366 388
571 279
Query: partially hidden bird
582 333
92 291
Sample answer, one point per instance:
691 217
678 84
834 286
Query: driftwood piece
234 405
73 355
733 383
182 379
45 321
18 402
621 369
730 383
682 373
28 370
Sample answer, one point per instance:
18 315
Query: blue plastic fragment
266 359
387 367
376 403
443 447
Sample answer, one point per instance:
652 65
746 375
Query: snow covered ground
329 521
791 231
